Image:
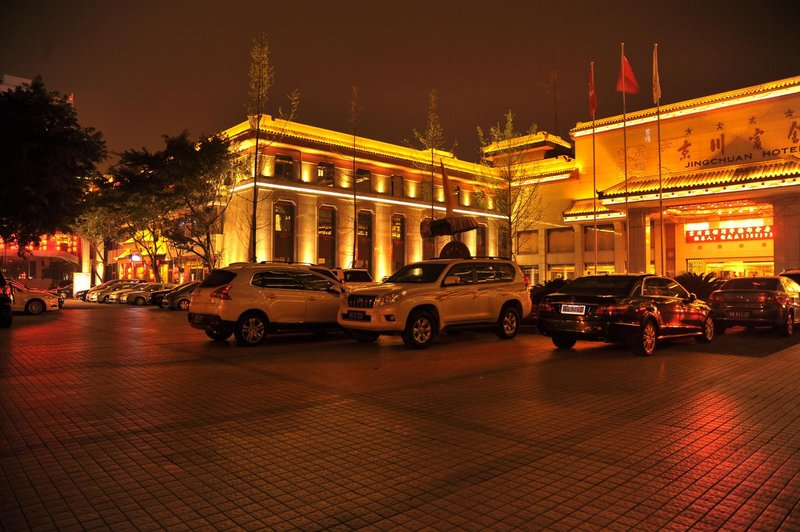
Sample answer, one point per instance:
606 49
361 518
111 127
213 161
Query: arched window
364 242
283 232
398 242
326 236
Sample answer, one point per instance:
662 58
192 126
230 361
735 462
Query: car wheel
251 329
707 334
366 337
645 343
787 329
220 336
419 331
183 304
140 301
34 306
563 342
508 324
105 299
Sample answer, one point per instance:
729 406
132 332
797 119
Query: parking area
125 417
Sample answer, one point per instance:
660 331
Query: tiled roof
583 207
769 173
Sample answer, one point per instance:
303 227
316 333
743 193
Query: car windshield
601 285
752 283
418 273
357 276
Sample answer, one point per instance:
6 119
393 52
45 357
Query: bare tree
510 181
262 79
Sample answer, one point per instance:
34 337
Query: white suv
250 300
427 297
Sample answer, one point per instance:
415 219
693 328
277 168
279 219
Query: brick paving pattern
126 418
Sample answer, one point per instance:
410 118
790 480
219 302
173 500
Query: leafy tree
431 139
700 284
46 162
508 179
201 174
97 225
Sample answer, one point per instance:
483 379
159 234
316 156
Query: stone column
306 229
579 237
382 241
786 228
619 246
639 243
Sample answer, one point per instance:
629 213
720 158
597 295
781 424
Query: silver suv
250 300
427 297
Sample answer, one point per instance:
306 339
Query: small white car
31 300
353 277
250 300
422 299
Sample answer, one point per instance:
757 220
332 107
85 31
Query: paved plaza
117 417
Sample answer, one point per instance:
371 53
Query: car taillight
715 298
527 280
545 307
771 298
221 292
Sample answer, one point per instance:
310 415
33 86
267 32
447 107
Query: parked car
251 300
157 296
108 285
179 298
639 310
424 298
757 301
793 274
353 277
140 295
6 303
120 294
80 295
32 300
102 295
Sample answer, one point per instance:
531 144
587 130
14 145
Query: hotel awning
449 225
583 209
770 174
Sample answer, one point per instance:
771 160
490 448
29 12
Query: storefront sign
724 234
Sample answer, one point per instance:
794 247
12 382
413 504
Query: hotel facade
713 186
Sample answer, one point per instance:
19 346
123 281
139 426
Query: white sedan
31 300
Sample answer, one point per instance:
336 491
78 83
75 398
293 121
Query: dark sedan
757 301
179 298
638 310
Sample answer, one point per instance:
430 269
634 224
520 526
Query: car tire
646 339
183 304
219 336
707 333
563 342
105 299
34 306
419 330
508 324
140 301
787 329
250 329
364 337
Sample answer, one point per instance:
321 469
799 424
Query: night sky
143 69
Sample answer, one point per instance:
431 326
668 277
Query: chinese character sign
725 234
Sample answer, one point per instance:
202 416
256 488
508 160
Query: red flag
626 78
592 96
656 79
449 200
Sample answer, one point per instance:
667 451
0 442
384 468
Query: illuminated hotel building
305 198
729 187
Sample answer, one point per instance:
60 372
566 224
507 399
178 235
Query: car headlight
389 299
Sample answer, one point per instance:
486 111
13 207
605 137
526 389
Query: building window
428 245
326 237
363 180
503 241
325 174
398 242
283 232
605 238
528 242
364 241
284 167
397 186
480 241
560 240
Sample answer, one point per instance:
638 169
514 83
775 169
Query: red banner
725 234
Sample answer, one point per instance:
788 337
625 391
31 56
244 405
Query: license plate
739 314
357 315
579 310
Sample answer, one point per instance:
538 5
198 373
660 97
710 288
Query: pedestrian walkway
126 418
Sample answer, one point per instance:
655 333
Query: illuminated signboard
724 234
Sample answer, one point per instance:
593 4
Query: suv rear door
494 282
280 294
459 302
322 296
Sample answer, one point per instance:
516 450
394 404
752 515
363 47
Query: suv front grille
361 301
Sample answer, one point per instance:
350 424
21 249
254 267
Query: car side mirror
451 280
692 297
335 289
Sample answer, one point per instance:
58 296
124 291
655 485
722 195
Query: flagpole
625 164
657 95
594 170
